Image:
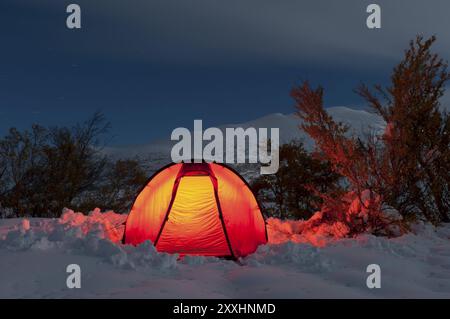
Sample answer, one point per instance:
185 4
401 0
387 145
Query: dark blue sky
151 66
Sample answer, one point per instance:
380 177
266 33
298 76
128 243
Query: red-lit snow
34 254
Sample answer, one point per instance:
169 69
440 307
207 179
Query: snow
360 122
156 154
34 254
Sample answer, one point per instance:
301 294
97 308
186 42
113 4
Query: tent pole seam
166 217
222 221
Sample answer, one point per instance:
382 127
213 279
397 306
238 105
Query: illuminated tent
197 209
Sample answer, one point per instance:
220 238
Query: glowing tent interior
197 209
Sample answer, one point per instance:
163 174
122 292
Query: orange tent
197 209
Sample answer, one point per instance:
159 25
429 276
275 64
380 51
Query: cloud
288 32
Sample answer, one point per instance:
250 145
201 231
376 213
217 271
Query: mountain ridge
359 121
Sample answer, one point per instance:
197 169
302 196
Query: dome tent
197 209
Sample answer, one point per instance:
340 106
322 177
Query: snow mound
312 231
305 257
348 218
97 234
100 233
302 260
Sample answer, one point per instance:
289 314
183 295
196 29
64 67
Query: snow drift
295 263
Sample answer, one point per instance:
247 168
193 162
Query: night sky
151 66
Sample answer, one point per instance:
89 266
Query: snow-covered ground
34 255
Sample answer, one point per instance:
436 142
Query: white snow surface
34 254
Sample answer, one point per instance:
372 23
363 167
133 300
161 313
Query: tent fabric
197 209
150 207
243 219
194 212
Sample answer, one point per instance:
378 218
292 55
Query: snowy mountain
158 152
